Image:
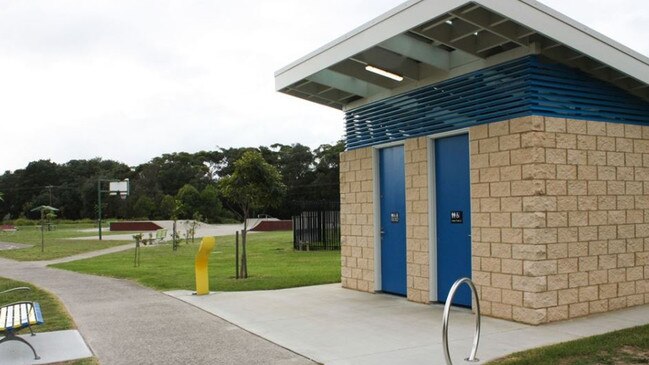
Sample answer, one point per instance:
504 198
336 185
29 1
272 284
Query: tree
175 236
144 207
174 170
254 184
190 201
295 164
309 175
327 171
210 206
225 166
166 207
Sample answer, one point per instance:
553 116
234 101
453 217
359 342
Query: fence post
296 229
317 226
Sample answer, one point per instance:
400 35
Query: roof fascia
531 13
392 23
573 34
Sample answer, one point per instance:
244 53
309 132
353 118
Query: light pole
42 209
49 187
99 191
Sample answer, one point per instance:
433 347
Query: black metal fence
317 228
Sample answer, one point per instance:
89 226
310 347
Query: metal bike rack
447 311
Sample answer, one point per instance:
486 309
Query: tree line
179 184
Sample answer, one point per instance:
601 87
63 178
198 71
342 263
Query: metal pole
447 310
49 187
99 205
42 230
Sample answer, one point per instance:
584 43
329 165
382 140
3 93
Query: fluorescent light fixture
384 73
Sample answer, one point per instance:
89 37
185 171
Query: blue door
393 220
452 179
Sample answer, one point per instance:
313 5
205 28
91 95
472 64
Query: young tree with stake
254 184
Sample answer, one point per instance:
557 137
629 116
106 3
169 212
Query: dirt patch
631 355
569 361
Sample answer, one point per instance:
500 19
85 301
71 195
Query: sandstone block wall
357 219
560 217
417 190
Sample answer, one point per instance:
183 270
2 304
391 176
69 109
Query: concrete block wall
560 217
357 219
417 228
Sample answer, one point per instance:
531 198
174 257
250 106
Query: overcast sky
131 79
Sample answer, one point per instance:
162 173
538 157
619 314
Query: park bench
160 236
17 316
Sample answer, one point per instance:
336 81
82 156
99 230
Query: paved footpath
126 323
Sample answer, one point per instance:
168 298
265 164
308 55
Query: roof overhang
428 41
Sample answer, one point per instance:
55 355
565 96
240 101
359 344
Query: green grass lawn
54 314
272 264
625 347
56 243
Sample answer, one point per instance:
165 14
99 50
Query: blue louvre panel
522 87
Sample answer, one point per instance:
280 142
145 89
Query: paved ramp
337 326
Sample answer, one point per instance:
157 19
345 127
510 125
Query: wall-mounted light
384 73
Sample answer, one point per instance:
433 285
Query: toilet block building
492 139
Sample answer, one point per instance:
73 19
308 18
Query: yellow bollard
202 279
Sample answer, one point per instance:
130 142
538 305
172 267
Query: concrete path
13 246
89 254
125 323
337 326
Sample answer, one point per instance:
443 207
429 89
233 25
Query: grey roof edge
557 26
390 24
348 35
573 34
586 29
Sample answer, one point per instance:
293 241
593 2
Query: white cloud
129 80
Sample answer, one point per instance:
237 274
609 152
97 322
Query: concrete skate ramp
273 225
268 224
134 226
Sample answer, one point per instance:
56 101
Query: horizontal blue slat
39 314
463 86
518 88
443 100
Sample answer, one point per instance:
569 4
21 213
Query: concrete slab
13 246
337 326
52 347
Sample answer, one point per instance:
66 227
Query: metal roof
428 41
